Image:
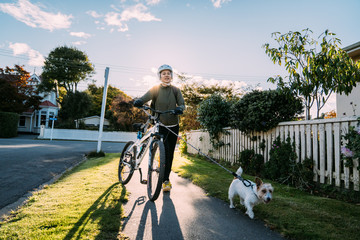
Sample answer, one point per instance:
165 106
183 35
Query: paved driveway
26 163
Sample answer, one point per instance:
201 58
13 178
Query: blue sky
212 40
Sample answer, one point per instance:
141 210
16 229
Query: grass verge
293 213
85 203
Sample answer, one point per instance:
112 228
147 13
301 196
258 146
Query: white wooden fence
319 140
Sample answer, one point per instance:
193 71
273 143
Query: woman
166 97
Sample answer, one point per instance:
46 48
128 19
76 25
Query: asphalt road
26 163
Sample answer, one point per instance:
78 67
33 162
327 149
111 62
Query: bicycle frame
142 143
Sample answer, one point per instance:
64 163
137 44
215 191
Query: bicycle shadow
96 212
167 227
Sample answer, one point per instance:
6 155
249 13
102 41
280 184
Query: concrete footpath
186 213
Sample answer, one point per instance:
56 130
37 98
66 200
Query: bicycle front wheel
156 169
126 163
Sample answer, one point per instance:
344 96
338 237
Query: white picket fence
319 140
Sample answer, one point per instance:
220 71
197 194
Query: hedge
8 124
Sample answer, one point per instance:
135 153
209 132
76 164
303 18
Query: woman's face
165 76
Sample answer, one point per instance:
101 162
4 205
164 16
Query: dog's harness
246 182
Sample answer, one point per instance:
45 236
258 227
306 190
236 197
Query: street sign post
52 126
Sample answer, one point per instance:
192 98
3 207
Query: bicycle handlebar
156 111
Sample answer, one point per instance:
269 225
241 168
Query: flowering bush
351 150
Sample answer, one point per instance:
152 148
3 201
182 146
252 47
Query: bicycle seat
138 127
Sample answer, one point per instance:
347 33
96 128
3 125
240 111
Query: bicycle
134 152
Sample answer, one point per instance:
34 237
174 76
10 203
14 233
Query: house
31 120
350 105
93 121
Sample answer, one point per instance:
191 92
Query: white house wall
343 106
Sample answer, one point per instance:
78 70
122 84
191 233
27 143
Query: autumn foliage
16 95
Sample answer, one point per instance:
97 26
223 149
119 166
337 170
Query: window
22 121
43 120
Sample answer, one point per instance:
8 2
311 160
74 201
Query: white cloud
78 43
152 2
94 14
148 81
139 13
35 58
33 16
114 19
218 3
80 34
120 19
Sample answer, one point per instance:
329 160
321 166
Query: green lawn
293 213
86 203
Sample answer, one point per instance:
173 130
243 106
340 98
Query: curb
6 211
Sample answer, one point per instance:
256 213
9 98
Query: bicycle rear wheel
126 163
156 169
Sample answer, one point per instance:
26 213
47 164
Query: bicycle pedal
143 181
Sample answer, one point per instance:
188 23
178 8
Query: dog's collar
247 183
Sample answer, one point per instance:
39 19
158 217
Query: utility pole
103 109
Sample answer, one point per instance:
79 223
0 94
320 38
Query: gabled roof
47 104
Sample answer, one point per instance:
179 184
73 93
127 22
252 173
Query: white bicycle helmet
164 67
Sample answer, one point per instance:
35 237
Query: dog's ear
258 182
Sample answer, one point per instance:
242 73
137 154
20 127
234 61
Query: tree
124 114
214 115
313 75
263 110
65 67
16 95
96 94
194 93
73 107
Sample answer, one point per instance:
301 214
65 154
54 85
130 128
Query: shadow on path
167 227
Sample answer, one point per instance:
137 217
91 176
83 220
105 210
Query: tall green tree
65 67
96 94
16 94
315 69
73 107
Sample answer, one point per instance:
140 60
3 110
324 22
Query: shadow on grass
167 227
106 210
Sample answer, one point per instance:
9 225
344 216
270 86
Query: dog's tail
239 171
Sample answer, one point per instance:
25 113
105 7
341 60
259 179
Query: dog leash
246 182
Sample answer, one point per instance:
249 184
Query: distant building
350 105
31 120
93 121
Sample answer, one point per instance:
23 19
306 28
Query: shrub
95 154
213 114
8 124
283 168
263 110
251 162
351 151
183 145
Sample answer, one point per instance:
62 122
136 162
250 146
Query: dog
252 195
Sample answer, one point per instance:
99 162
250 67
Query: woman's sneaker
166 186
